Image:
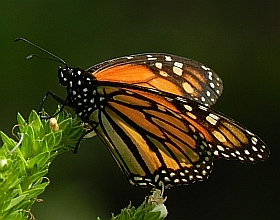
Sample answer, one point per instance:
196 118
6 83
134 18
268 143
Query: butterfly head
67 74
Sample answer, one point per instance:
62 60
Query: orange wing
163 72
160 139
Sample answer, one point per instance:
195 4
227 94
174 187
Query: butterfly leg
93 127
55 97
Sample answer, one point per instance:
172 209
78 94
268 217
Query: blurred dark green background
238 39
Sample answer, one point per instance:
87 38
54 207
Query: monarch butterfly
152 112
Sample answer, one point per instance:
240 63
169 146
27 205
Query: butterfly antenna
44 58
58 59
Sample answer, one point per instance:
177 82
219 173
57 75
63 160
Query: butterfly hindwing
158 137
151 143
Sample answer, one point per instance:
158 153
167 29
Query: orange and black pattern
163 72
152 112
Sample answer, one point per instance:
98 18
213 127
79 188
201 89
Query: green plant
24 165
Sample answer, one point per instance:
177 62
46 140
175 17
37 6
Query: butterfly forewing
163 72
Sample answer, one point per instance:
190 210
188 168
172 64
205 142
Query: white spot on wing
178 71
254 140
158 65
152 58
187 87
212 119
163 73
168 58
178 64
204 67
189 108
203 108
220 148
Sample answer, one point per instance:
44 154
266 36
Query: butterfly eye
65 74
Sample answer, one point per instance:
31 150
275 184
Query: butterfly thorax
82 91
